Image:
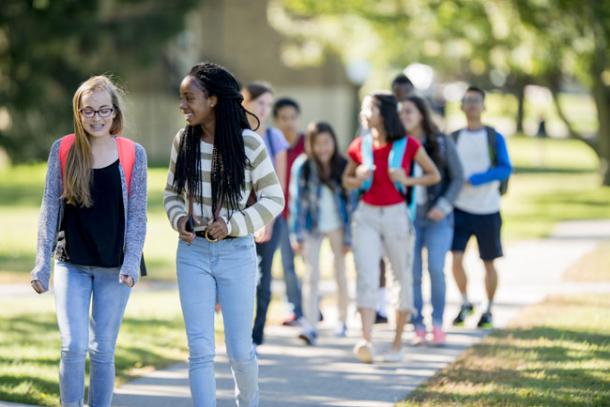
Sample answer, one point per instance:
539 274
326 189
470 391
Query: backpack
493 152
127 159
399 148
126 148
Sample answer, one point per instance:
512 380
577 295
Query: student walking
434 213
286 112
93 220
487 167
379 166
258 98
402 87
216 163
320 208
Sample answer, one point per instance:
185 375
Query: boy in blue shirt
487 167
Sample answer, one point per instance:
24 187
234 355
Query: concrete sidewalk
328 375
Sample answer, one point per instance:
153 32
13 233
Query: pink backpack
127 154
127 159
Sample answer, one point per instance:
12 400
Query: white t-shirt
474 153
329 214
421 194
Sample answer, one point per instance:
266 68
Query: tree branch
554 88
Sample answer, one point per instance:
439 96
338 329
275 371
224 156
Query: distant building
237 35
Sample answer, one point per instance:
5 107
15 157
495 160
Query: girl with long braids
216 162
93 219
434 214
380 224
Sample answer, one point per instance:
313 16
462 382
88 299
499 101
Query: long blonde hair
77 174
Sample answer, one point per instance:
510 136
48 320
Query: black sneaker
465 311
380 319
486 320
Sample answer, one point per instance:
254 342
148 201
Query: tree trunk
601 89
520 106
601 95
572 133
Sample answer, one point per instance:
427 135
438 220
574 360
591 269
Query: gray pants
379 230
311 281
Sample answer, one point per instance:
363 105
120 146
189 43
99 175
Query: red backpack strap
127 157
65 144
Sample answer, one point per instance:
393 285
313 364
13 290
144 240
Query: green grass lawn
152 335
554 180
556 353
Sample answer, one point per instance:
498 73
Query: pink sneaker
439 338
420 336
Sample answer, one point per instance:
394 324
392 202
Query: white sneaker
393 356
364 351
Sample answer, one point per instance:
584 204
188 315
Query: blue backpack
399 147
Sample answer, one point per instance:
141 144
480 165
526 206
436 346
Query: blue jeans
293 285
226 271
436 237
75 288
266 251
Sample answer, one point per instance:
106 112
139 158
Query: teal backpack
399 148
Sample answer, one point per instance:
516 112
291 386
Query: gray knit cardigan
134 204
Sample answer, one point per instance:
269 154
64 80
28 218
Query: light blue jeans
225 270
76 287
436 237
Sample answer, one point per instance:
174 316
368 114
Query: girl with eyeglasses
93 218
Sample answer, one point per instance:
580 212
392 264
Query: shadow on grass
551 170
19 262
27 338
29 389
21 195
522 367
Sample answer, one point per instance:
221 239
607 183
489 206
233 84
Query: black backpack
493 152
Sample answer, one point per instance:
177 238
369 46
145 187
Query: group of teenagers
237 189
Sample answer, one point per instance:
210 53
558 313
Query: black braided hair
229 159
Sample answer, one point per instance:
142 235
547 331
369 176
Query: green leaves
48 47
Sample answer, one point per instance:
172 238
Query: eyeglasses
472 100
103 113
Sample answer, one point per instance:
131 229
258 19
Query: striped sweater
260 176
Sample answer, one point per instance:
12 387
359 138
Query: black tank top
94 236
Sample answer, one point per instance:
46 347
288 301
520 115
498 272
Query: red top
383 192
291 155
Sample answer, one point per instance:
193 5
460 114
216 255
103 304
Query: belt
204 234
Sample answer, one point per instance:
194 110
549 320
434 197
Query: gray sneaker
309 336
